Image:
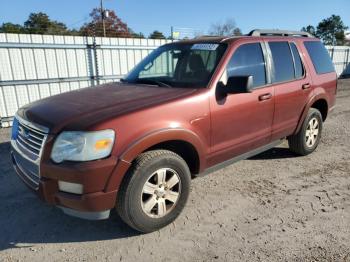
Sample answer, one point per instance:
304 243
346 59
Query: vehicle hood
97 104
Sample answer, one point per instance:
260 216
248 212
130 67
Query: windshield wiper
152 82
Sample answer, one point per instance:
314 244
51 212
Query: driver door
242 122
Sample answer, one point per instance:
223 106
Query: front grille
27 142
30 139
26 169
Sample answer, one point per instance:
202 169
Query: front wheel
154 191
308 138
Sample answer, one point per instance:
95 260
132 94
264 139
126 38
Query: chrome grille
27 170
30 138
27 141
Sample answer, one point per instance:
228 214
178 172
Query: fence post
97 71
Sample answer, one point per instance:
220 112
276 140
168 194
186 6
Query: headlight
82 146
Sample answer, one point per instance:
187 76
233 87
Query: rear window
319 57
283 61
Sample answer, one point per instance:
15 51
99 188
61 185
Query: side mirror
239 84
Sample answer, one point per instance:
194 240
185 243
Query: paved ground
274 207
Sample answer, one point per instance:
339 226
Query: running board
240 157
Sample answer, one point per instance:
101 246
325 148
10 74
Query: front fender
160 136
152 139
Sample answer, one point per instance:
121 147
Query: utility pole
172 33
103 18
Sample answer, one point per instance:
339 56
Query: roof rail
267 32
206 36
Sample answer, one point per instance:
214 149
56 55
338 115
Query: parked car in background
187 109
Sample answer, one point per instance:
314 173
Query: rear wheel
308 138
154 191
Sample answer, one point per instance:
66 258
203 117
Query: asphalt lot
273 207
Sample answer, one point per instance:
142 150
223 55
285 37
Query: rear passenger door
292 86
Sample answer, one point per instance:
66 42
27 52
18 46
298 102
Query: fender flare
160 136
308 105
149 140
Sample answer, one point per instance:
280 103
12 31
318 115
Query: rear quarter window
319 57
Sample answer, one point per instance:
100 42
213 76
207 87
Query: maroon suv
188 108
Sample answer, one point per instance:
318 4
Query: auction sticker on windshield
206 47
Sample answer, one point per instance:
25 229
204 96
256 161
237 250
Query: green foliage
37 23
157 35
136 35
11 28
40 23
331 30
237 31
310 29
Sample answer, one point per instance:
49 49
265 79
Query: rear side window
319 57
283 61
299 68
248 60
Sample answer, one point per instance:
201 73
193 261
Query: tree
237 31
228 28
115 27
11 28
40 23
157 35
136 35
310 29
331 30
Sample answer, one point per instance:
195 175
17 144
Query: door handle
306 86
265 97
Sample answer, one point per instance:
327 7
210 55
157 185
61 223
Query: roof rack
207 36
264 32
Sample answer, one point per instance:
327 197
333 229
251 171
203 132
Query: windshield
178 65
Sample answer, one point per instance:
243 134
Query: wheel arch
319 102
184 142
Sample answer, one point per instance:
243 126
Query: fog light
70 187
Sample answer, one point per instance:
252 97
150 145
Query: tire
161 169
302 143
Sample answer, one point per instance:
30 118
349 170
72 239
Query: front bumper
98 197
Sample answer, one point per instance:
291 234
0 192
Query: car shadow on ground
275 153
26 220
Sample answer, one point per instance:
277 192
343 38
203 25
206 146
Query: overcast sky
146 16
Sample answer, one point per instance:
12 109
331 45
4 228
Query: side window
299 68
320 57
247 60
283 61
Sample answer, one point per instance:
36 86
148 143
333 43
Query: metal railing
341 59
36 66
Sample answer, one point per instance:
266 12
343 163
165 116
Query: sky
147 16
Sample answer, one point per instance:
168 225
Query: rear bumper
97 199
